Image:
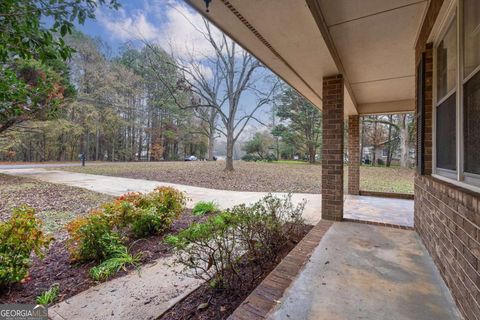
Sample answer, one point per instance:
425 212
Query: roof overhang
370 42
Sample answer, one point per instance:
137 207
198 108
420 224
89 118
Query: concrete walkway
363 271
392 211
138 295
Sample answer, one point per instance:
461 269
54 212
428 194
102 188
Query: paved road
38 165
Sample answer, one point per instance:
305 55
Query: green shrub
119 260
92 238
149 221
251 158
50 295
205 207
19 237
98 235
146 214
213 249
168 200
119 213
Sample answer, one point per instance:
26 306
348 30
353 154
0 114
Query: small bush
168 200
92 238
119 260
205 207
251 158
149 221
209 250
268 225
98 235
119 213
19 237
213 249
49 296
270 158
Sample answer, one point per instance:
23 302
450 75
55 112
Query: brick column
353 155
332 149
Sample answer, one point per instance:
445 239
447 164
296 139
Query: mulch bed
74 278
222 303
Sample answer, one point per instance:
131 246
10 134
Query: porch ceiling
371 42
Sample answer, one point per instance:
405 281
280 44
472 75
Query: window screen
446 140
471 127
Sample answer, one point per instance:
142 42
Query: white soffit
375 41
294 48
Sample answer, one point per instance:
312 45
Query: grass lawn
385 179
282 176
55 204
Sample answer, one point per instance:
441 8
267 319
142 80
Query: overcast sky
170 23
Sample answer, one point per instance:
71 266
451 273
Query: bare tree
219 80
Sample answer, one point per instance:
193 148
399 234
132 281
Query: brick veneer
448 221
353 155
332 148
446 217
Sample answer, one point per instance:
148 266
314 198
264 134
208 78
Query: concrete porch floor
370 272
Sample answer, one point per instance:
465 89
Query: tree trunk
97 143
230 143
311 153
389 145
211 144
403 141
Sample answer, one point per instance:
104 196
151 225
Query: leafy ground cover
282 176
54 204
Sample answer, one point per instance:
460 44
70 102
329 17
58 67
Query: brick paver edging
381 224
268 294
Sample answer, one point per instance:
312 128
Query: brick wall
447 218
430 18
448 221
332 148
353 155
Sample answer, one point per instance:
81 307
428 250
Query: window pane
472 35
446 134
447 62
471 109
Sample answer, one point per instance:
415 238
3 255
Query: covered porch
353 58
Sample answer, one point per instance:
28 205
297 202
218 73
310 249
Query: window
471 25
471 106
447 62
457 96
446 71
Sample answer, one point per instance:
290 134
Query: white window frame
459 176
